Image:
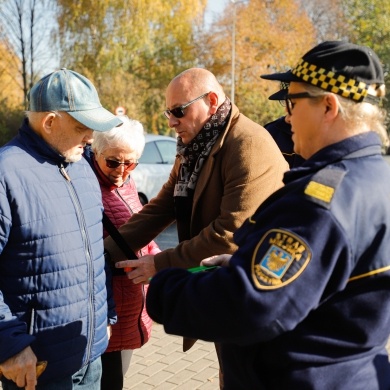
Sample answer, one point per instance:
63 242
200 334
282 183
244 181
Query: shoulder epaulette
323 185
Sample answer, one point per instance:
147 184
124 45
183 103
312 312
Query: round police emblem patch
278 259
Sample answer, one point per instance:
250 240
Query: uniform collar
336 152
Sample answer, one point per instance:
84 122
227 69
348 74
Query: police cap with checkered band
340 67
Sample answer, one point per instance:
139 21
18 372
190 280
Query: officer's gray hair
354 113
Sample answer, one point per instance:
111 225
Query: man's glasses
290 105
178 112
113 164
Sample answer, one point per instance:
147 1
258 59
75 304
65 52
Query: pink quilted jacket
134 326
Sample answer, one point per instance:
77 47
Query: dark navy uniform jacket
305 302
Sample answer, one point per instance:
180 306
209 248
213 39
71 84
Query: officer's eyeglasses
113 164
178 112
290 105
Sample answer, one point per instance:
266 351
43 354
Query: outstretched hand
219 260
141 270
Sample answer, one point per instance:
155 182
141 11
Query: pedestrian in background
113 157
304 302
226 165
280 129
53 299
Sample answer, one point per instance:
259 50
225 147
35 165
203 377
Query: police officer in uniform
304 303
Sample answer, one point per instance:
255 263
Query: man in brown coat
225 168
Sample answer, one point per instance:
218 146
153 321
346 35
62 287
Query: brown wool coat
244 167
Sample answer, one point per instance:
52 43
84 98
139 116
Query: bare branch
26 29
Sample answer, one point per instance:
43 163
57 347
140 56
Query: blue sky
214 7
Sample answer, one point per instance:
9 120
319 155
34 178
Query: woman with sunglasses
113 156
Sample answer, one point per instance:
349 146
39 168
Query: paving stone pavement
161 364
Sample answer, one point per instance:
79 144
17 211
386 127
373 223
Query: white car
154 165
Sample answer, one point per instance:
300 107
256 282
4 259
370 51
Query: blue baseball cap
70 92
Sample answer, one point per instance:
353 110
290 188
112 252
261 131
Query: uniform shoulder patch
323 185
278 259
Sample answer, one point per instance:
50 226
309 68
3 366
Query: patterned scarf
196 152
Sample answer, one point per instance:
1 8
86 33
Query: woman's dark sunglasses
112 164
178 112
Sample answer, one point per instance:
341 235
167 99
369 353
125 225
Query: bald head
196 81
192 98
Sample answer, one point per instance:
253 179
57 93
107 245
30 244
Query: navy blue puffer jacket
52 280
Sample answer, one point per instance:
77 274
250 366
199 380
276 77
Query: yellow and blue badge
285 258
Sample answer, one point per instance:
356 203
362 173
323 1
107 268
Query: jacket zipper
80 217
32 321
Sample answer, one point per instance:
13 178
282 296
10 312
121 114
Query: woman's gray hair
130 136
354 114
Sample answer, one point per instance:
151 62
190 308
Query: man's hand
21 369
142 269
221 260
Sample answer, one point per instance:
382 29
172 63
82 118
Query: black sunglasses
290 105
112 164
178 112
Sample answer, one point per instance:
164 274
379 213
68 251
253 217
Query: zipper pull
64 173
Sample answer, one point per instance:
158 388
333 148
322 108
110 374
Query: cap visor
280 95
286 76
97 119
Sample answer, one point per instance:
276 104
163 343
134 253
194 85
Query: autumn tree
11 96
24 30
364 22
130 49
369 25
327 17
270 37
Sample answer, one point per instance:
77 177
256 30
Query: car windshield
159 152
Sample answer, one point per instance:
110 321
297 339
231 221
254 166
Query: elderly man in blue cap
304 302
53 299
